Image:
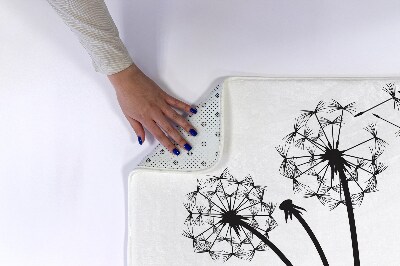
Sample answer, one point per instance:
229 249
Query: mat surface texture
282 172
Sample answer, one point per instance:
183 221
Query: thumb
138 128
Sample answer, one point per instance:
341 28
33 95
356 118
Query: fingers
179 104
172 132
138 128
177 118
161 122
161 137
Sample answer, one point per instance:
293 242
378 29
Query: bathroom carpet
283 171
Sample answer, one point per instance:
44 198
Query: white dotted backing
205 146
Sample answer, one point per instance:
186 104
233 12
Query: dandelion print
290 209
393 124
319 165
393 92
228 217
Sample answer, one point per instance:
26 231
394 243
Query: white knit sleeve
91 21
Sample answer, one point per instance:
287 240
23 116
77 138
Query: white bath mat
270 182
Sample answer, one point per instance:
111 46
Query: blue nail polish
139 140
187 147
176 151
193 132
193 110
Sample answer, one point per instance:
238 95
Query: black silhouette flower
343 175
224 216
291 210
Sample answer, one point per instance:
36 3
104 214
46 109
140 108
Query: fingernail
193 110
176 151
193 132
187 147
139 140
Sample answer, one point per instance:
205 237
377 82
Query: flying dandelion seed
393 92
393 124
343 175
224 216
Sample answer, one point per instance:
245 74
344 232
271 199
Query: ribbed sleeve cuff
111 58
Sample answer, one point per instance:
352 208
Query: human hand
144 103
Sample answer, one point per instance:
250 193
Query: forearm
91 21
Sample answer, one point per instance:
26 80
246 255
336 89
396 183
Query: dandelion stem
266 241
358 144
340 130
363 112
240 204
237 188
217 236
313 237
208 214
204 231
223 189
251 215
362 190
212 233
222 209
230 229
220 201
360 167
313 142
319 122
357 157
307 170
254 204
290 209
320 139
306 156
320 183
309 162
386 120
248 239
350 214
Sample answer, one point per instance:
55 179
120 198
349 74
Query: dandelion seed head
318 164
216 211
390 89
335 105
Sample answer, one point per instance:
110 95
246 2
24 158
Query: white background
65 147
